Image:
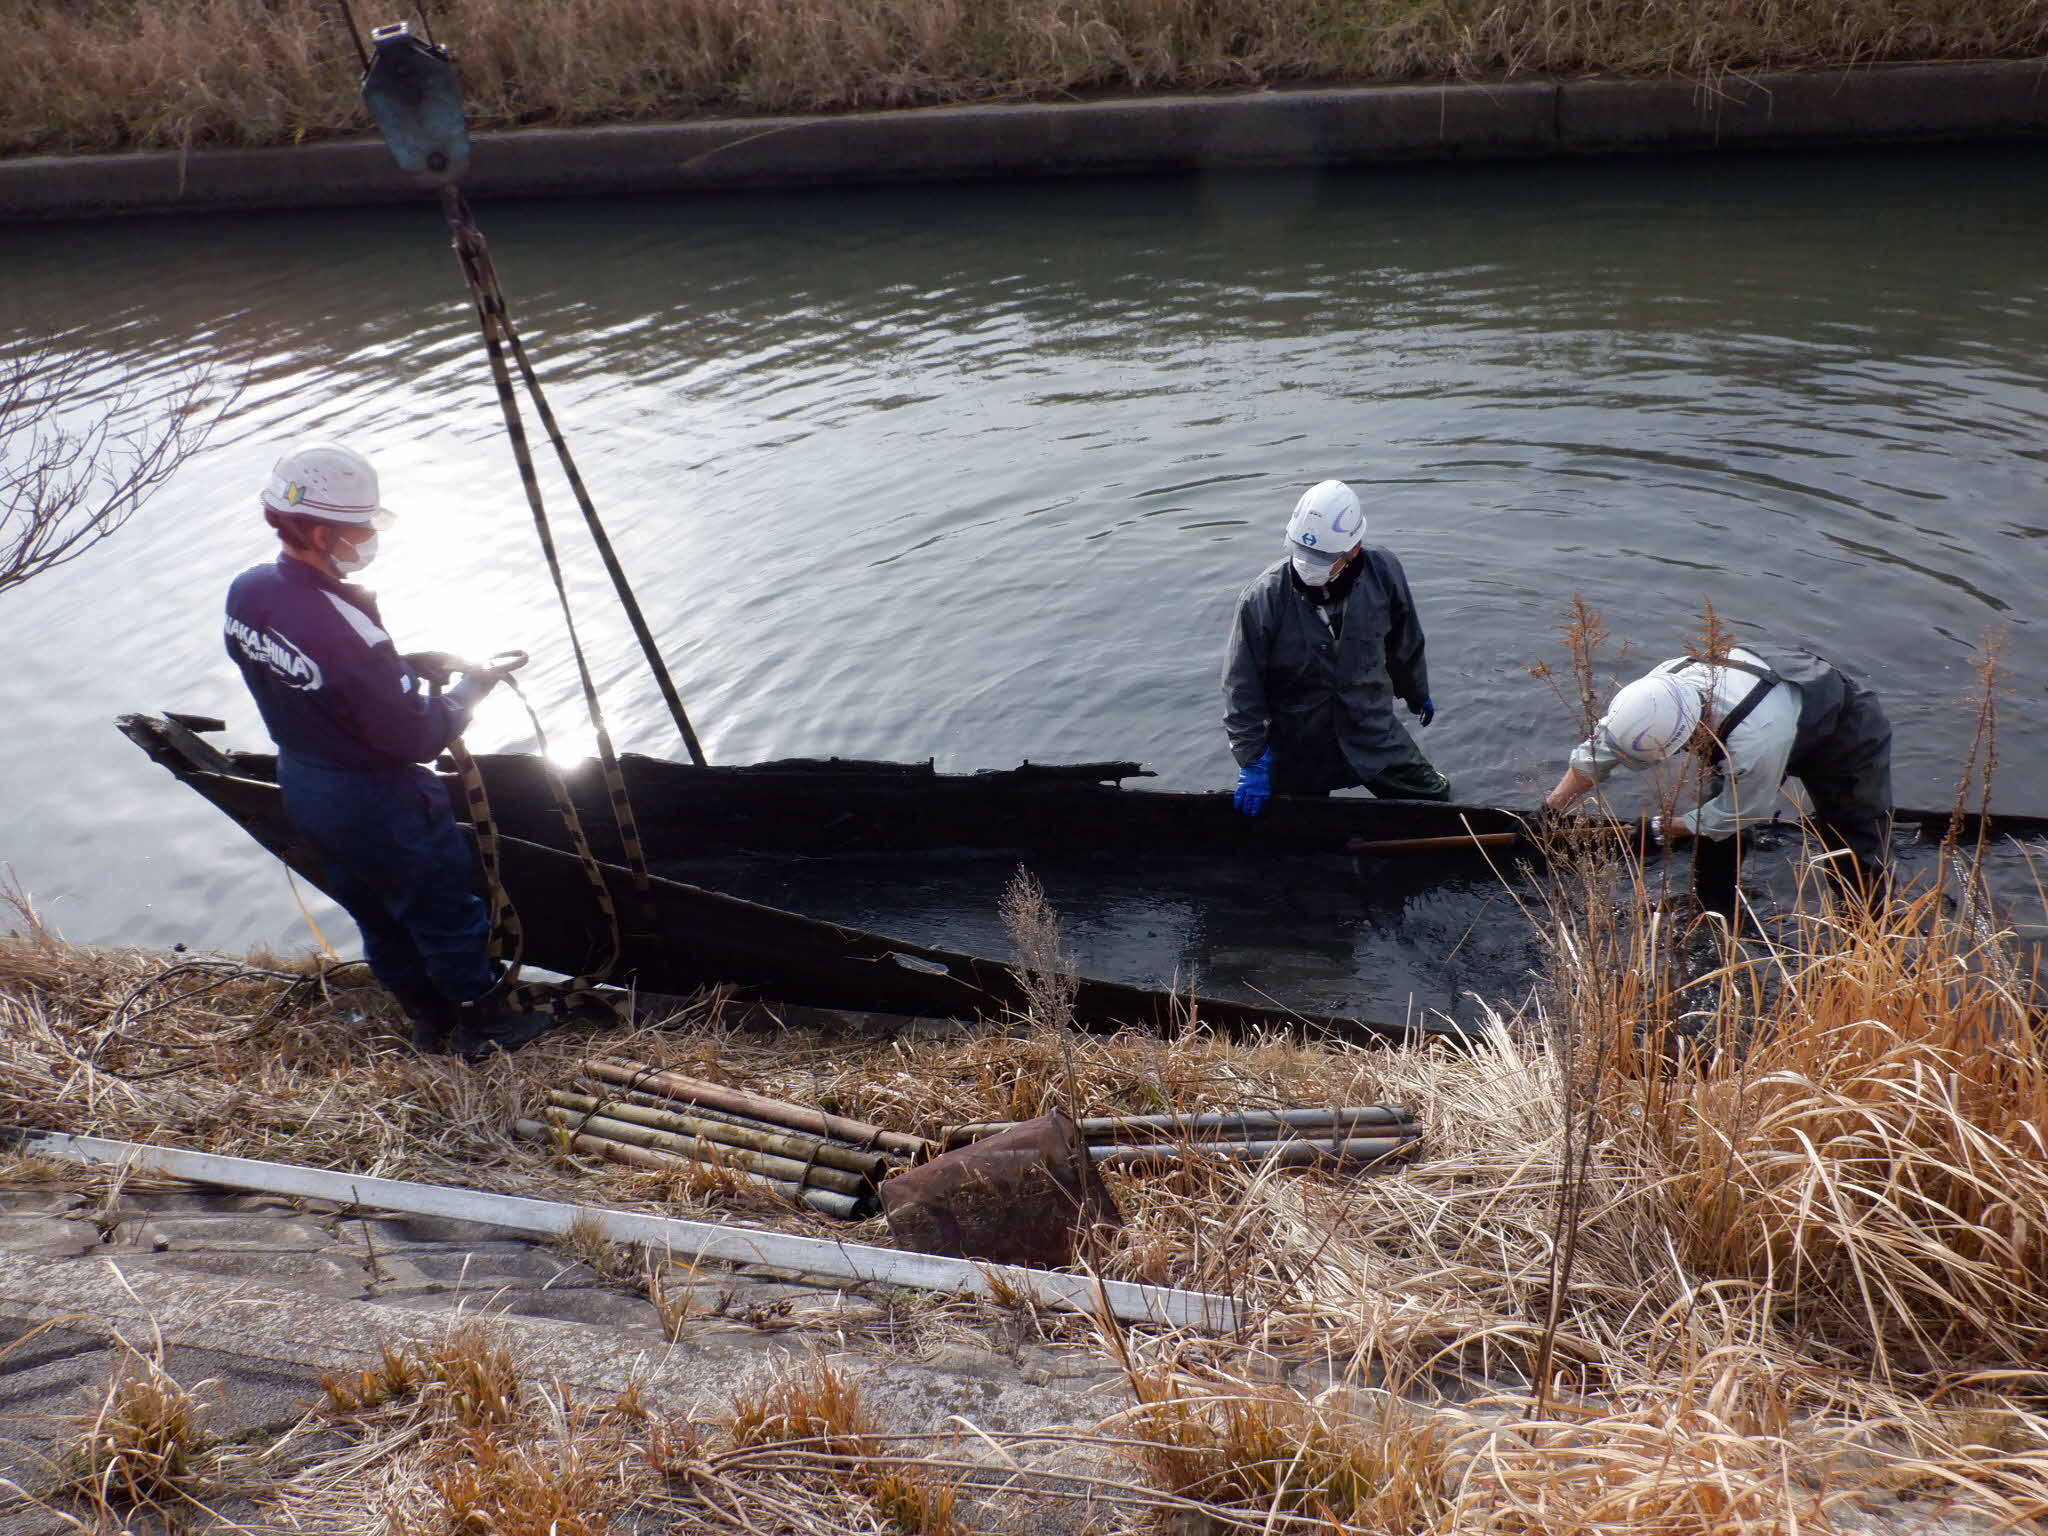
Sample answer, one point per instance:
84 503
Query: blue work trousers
401 867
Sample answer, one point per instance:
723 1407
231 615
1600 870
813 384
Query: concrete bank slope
1929 103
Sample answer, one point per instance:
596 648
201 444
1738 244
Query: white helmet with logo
328 482
1327 525
1652 717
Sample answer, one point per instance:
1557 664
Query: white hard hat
1652 717
1326 526
327 481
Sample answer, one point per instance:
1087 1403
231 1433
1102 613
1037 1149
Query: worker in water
1322 645
1753 718
353 721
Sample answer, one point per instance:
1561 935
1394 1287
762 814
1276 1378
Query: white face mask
350 558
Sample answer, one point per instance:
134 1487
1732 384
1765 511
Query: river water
974 473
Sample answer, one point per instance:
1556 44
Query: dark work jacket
327 679
1325 706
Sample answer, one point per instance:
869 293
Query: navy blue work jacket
330 684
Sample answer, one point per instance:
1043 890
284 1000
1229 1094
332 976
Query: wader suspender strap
1766 681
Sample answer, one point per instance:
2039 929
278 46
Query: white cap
327 481
1326 526
1652 717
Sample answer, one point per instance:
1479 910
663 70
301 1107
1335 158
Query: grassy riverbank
169 73
1798 1283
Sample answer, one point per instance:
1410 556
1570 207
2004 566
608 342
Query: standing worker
353 722
1323 643
1757 716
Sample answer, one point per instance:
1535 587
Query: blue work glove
1426 711
1255 783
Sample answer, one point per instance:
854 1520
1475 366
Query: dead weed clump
1233 1454
487 1487
142 1448
818 1408
807 1432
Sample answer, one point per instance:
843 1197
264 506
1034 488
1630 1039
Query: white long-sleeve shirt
1757 750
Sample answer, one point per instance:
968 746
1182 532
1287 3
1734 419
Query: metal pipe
697 1148
793 1144
794 1117
1297 1153
1222 1123
831 1202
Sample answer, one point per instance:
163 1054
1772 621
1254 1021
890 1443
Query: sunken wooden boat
839 807
814 808
688 938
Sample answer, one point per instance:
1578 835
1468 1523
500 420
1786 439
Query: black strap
1766 681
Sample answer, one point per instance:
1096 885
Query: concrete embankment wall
1930 103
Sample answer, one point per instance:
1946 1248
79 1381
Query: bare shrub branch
70 478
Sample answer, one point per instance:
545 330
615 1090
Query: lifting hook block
416 102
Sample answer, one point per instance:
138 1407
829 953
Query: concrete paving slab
598 1308
246 1399
47 1235
40 1414
258 1231
485 1266
24 1344
334 1276
392 1233
39 1201
276 1331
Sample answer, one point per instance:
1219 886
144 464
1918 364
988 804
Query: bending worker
1763 714
1323 643
353 722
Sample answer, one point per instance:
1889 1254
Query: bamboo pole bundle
698 1111
868 1166
738 1101
696 1149
1231 1125
830 1202
1295 1152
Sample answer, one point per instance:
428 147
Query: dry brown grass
1865 1147
282 1060
1806 1272
1345 1461
157 73
141 1448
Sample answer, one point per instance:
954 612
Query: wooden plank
680 1240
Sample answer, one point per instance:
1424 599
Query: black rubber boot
486 1025
431 1015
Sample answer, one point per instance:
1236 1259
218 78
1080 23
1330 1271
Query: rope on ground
226 972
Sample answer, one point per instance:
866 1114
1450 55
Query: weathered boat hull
818 808
687 938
